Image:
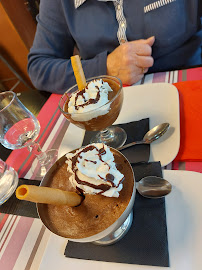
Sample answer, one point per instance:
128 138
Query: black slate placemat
135 132
145 243
18 207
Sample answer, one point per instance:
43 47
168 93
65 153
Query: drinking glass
19 128
8 181
101 118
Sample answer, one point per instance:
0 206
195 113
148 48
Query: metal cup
108 236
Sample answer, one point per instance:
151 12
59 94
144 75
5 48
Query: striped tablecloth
22 239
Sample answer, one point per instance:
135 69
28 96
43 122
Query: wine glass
19 128
101 118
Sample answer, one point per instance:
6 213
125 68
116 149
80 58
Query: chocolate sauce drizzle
109 177
87 102
93 161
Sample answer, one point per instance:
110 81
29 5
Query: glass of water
19 128
8 181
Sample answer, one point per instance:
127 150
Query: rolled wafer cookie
78 72
47 195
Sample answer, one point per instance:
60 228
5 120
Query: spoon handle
130 144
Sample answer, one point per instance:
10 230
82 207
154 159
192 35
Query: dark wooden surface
34 101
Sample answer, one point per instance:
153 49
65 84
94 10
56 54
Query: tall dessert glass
19 128
100 118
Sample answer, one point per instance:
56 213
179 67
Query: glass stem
105 135
35 149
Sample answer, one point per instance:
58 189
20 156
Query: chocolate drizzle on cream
107 181
87 102
90 102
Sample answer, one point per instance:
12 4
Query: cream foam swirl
93 171
91 99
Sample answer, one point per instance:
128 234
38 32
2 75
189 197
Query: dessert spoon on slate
153 187
151 136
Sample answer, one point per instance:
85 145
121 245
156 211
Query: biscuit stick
78 72
47 195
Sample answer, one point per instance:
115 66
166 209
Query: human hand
131 60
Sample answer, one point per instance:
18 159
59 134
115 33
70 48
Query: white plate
159 102
184 226
184 219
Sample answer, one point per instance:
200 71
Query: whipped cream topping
90 99
93 171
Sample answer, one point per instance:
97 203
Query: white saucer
160 103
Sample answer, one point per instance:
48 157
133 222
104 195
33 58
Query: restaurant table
24 241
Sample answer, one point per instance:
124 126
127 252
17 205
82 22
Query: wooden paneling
21 19
12 45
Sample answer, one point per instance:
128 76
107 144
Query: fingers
144 61
150 41
143 46
142 49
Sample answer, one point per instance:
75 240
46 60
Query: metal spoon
152 135
153 187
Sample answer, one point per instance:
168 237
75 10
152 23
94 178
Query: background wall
17 29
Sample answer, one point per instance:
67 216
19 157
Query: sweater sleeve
49 64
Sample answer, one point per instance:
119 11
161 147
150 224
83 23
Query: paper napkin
190 96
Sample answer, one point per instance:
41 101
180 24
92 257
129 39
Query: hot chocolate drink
96 106
106 180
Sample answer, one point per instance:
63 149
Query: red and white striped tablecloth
23 239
